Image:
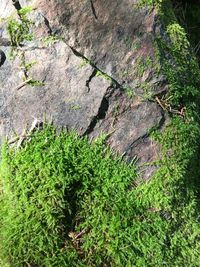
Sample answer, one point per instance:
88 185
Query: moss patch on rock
66 202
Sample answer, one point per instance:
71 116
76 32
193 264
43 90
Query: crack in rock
137 141
78 54
2 57
16 4
146 135
102 111
94 72
46 22
93 9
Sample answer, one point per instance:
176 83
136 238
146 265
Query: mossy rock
67 202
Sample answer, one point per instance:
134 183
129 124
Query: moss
55 187
65 202
188 14
178 176
151 3
130 93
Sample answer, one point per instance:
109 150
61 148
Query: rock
64 97
119 40
94 69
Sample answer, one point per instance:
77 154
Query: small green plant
140 66
129 92
143 64
151 3
34 82
133 45
20 29
50 40
83 63
124 74
116 110
75 107
147 90
104 75
29 65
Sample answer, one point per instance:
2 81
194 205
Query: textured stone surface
117 37
64 97
90 96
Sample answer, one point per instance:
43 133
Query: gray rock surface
102 54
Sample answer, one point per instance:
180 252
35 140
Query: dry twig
23 84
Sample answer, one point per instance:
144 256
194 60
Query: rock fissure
141 139
102 111
78 54
46 22
17 5
2 57
93 74
93 10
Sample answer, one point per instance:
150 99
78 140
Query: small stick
15 139
80 234
34 124
22 84
159 102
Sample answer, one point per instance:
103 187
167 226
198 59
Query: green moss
57 185
179 63
175 187
50 40
83 63
104 75
151 3
188 14
178 174
65 202
147 91
129 92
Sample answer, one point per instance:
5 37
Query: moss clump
65 202
188 14
175 188
178 174
178 61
